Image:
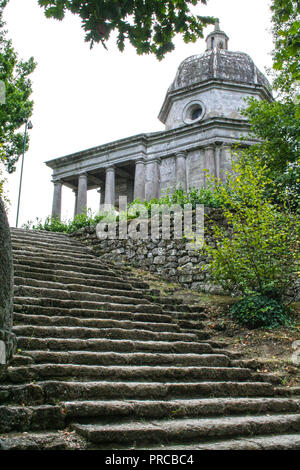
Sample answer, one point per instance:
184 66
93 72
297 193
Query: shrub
258 250
255 311
54 225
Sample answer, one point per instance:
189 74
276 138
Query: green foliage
258 251
150 26
278 129
193 196
286 31
256 311
18 107
69 226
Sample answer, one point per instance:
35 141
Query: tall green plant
258 250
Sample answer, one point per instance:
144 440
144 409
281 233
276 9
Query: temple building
203 121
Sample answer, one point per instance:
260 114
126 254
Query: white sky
84 98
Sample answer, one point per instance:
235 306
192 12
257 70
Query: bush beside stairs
105 363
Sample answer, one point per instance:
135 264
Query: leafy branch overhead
149 25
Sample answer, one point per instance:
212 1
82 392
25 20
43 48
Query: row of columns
147 177
146 181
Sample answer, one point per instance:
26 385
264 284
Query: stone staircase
104 363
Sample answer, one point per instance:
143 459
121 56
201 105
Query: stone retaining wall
174 260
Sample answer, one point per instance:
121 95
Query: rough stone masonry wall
171 259
7 338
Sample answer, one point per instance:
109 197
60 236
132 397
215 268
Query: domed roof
218 64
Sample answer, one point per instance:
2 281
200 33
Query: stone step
91 313
21 243
32 331
77 267
79 284
35 279
279 442
25 418
113 358
75 292
52 391
17 375
43 320
29 252
20 360
63 262
179 408
160 431
119 345
67 304
23 270
40 234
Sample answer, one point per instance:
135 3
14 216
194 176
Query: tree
277 124
257 250
18 107
149 25
14 108
278 129
286 31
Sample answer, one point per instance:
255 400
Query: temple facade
203 122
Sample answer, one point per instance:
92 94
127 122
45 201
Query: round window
193 112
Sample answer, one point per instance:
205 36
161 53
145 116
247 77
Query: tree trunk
7 338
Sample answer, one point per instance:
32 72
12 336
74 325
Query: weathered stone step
43 320
125 373
179 408
25 277
36 234
63 262
98 345
92 333
82 285
19 242
91 313
79 255
38 440
279 442
49 392
113 358
160 431
77 292
21 360
59 303
23 270
25 418
79 267
184 308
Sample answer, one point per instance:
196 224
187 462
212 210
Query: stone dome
218 64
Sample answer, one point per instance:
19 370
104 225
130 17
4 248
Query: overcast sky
84 98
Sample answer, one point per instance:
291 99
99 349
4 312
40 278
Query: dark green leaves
149 25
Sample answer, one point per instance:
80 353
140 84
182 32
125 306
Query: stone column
209 163
139 180
99 191
181 180
110 188
82 193
225 162
152 179
75 191
218 153
56 206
